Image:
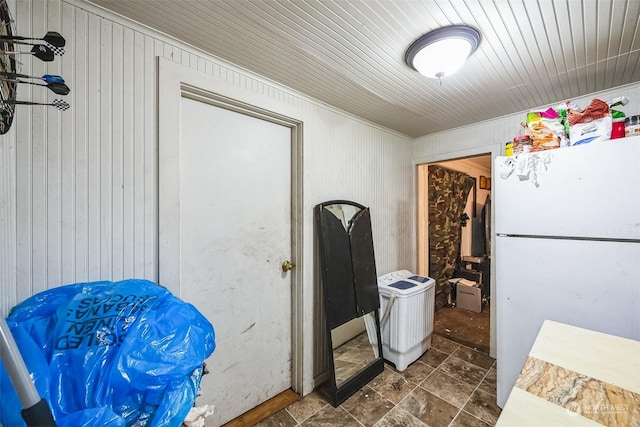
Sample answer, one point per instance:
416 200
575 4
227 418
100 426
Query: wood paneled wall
490 134
79 191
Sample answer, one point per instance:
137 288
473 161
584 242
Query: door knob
287 266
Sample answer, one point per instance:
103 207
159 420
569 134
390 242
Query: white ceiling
350 53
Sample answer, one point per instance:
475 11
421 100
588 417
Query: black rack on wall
44 48
7 64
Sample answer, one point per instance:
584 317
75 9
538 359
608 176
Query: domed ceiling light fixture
442 51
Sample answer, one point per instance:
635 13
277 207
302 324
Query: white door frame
421 195
176 81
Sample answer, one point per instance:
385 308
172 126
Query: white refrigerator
567 246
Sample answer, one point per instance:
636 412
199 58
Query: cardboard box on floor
468 295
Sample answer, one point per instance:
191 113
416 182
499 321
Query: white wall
490 136
79 188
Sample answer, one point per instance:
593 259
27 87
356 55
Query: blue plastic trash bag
118 354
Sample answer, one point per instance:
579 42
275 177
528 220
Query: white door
235 232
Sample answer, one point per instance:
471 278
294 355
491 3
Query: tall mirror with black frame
351 298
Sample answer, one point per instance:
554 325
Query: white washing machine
406 316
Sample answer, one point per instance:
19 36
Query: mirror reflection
355 346
351 298
344 213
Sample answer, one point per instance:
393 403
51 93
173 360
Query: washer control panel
394 276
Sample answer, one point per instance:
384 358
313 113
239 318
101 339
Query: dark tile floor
464 327
450 385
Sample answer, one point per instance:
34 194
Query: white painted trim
176 81
494 149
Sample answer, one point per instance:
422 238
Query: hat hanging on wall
442 51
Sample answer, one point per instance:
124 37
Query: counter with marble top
576 377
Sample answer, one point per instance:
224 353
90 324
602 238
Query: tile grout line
377 392
477 386
444 373
395 405
410 414
416 385
474 390
351 415
305 419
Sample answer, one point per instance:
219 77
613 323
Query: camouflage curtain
448 192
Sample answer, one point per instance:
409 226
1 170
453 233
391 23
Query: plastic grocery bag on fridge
128 353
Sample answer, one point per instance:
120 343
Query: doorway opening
472 258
